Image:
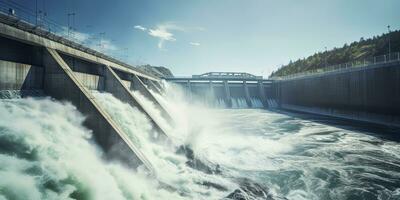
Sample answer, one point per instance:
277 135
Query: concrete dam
78 124
368 93
32 63
229 89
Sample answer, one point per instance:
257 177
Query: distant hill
365 48
158 71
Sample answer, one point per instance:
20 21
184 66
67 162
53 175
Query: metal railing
387 58
232 75
23 18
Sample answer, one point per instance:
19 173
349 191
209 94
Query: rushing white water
220 103
153 111
239 103
46 153
296 158
171 168
256 103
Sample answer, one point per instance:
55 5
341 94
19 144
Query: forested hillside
158 71
364 48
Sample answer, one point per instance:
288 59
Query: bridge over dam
34 61
231 89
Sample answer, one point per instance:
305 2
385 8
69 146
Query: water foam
171 168
296 158
52 157
46 153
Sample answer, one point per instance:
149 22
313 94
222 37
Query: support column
114 85
247 94
261 92
157 85
211 85
228 99
61 83
138 85
151 85
189 89
279 99
212 95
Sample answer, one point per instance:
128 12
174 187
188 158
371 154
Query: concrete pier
138 85
262 93
115 86
228 99
156 86
247 94
67 71
18 76
62 84
189 89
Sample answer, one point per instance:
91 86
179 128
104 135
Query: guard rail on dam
366 91
32 59
228 87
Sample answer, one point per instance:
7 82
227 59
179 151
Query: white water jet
270 148
153 111
239 103
256 103
46 153
52 156
171 168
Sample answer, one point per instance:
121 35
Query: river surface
47 153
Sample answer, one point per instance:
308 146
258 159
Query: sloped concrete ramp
62 84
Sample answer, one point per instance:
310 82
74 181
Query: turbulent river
47 153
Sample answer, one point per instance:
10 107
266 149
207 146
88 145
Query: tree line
358 50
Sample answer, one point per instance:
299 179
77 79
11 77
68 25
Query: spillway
290 156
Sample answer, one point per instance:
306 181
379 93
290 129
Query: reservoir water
46 153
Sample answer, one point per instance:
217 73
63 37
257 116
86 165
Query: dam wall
18 76
62 84
368 94
66 71
232 92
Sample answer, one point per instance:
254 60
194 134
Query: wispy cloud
139 27
194 43
165 32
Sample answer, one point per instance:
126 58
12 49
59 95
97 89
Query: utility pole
389 39
101 41
326 55
36 11
43 15
71 24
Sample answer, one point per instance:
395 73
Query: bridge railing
382 59
233 75
196 78
21 17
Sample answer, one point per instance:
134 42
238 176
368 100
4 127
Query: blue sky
196 36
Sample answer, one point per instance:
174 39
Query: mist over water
46 153
170 167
